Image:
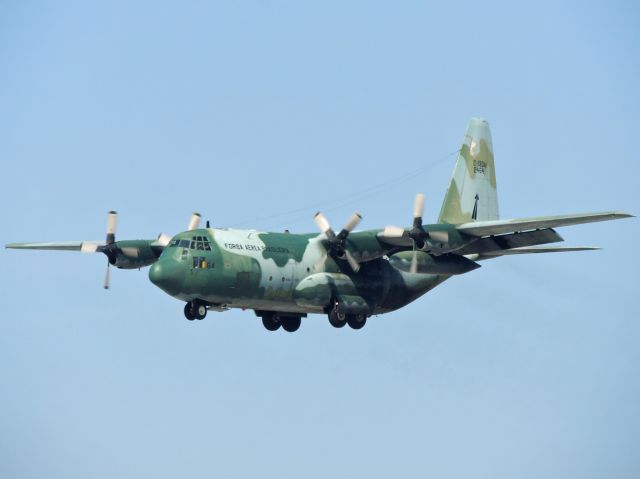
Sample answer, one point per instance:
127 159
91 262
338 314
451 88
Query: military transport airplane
349 275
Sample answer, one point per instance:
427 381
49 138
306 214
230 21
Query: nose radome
155 273
166 275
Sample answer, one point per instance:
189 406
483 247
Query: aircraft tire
356 321
337 319
199 310
188 312
270 322
291 323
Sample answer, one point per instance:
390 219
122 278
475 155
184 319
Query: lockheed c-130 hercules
349 275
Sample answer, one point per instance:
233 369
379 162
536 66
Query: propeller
109 249
338 242
417 235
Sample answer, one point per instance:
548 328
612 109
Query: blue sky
257 114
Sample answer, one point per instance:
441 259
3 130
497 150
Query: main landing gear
195 310
338 319
273 321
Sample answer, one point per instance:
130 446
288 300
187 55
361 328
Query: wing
489 228
83 246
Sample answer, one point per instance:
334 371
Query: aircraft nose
167 275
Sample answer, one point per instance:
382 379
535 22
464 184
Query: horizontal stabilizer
540 249
489 228
84 246
510 240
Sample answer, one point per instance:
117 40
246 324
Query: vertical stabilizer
472 193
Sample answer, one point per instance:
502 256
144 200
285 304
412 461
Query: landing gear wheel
270 322
291 323
337 319
188 313
199 310
356 321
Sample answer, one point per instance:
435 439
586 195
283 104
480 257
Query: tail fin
472 194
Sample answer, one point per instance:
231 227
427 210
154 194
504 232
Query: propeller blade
418 210
194 222
112 221
90 246
323 224
320 263
414 262
130 251
163 240
351 224
355 266
440 236
107 277
393 232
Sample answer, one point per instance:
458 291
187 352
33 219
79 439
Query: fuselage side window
200 262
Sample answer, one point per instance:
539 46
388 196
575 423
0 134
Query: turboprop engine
436 239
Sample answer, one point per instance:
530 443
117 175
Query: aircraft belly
404 288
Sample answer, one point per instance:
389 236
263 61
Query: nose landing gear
195 310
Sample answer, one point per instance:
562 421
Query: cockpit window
200 243
184 243
174 243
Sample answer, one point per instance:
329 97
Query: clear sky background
257 114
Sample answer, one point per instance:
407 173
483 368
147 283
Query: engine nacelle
133 254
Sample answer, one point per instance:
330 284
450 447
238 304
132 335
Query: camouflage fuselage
284 272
